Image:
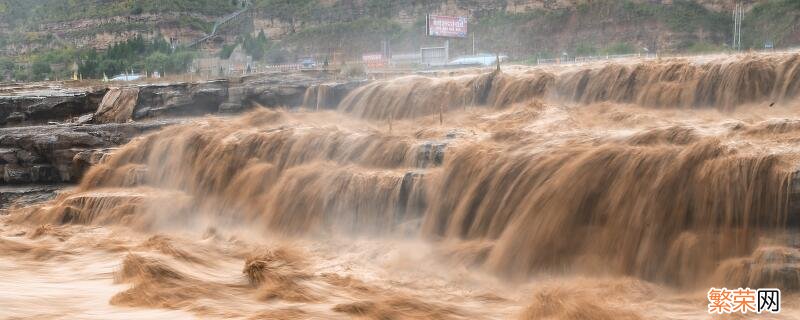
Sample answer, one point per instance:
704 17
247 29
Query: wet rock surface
43 106
51 133
61 153
21 195
215 97
181 99
44 103
232 96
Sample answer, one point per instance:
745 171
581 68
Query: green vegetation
44 11
682 16
135 54
614 22
256 47
24 17
227 50
591 28
260 48
112 27
774 20
53 64
195 23
595 27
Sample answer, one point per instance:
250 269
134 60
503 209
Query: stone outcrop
180 99
31 105
59 132
42 107
224 96
61 153
287 91
21 195
117 105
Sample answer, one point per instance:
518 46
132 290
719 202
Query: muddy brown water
603 192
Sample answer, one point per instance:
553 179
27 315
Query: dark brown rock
39 107
182 99
21 195
62 153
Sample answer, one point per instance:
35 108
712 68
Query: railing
575 60
279 67
219 24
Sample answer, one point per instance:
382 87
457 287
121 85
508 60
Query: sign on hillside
446 26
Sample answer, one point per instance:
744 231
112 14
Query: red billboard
447 26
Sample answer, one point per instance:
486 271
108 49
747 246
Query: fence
575 60
434 56
279 67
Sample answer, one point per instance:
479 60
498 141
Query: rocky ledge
121 102
62 153
36 104
50 134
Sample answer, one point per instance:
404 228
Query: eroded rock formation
43 106
61 153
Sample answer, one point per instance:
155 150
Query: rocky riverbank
51 133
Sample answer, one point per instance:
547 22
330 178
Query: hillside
532 27
30 12
28 25
64 32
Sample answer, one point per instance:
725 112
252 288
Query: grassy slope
593 27
601 26
776 20
31 12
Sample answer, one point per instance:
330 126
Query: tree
6 64
137 9
40 69
6 67
157 61
88 65
256 47
227 50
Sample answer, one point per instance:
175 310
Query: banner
446 26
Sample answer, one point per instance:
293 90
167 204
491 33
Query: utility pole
733 43
738 16
447 50
741 18
473 43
